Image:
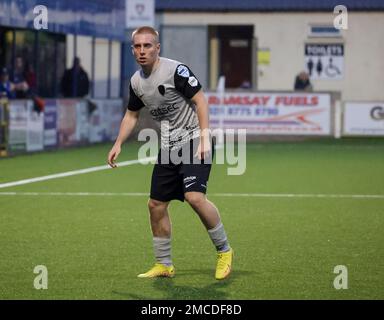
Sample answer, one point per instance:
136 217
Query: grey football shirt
166 92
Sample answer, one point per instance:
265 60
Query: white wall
176 45
101 68
285 35
84 52
115 69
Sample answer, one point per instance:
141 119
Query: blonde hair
146 29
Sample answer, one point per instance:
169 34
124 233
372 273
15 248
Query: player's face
145 49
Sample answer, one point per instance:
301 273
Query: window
50 63
324 31
38 56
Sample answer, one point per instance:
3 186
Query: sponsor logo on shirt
183 71
162 110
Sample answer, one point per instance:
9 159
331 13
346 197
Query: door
236 55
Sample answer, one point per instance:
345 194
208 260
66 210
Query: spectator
6 87
302 82
75 82
30 77
18 79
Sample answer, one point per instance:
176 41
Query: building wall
176 44
285 35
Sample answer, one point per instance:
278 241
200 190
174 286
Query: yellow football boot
159 270
224 264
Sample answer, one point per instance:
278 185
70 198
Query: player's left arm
202 111
188 85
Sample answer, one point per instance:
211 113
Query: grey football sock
162 248
219 238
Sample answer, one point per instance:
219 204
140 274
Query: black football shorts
171 179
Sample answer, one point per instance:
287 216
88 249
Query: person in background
7 88
302 82
18 79
75 81
30 77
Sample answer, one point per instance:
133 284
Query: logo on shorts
190 178
188 185
183 71
192 81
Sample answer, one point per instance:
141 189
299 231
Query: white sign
82 125
35 128
96 123
362 118
18 118
139 13
113 113
105 120
324 61
272 113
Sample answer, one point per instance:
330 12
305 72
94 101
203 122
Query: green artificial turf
285 247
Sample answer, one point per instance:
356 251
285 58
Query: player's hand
204 148
113 154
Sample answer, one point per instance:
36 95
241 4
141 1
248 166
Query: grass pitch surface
287 218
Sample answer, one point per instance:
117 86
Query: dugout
93 30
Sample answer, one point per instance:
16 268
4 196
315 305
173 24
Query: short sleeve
134 104
186 82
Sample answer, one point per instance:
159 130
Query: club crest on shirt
192 81
161 89
183 71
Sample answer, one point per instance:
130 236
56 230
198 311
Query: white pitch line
298 195
139 194
75 172
78 194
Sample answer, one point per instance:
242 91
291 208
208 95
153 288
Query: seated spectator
21 85
302 82
7 88
30 77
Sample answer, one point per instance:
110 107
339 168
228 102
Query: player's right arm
127 125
